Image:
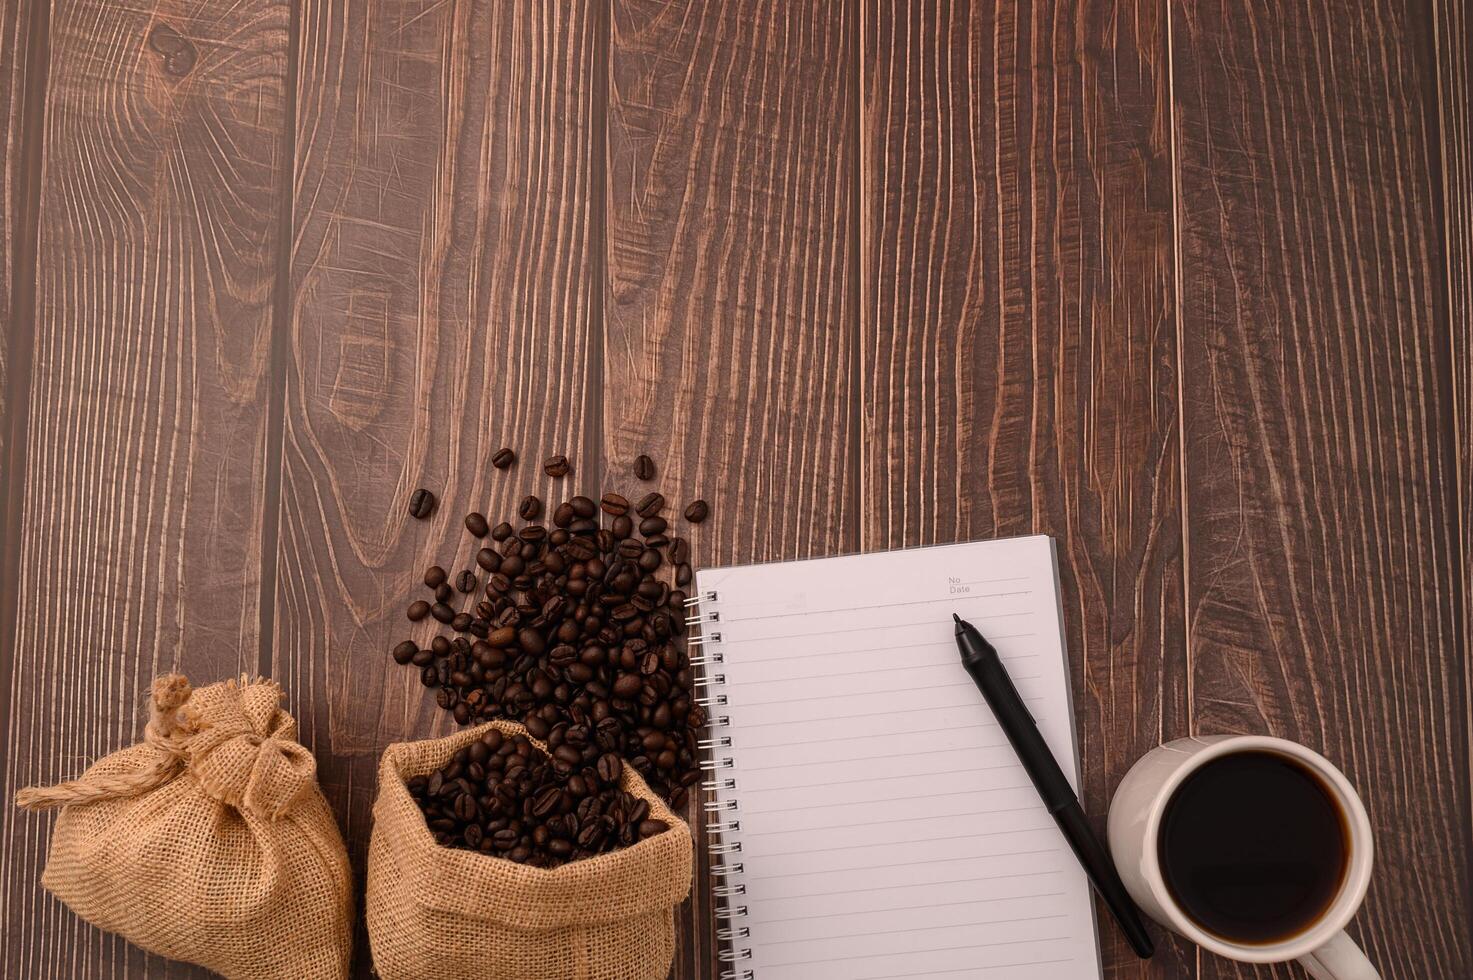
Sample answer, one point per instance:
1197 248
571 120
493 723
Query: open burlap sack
209 841
458 915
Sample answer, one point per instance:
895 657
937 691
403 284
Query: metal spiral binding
725 824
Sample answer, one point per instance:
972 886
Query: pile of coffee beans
501 795
575 628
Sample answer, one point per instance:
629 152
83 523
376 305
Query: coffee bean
652 526
404 652
610 768
476 524
697 511
650 504
442 612
556 466
443 592
683 574
434 576
649 828
465 582
488 559
644 467
503 458
614 504
418 609
501 532
421 504
530 507
679 551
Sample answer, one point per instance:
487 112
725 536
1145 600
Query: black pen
986 668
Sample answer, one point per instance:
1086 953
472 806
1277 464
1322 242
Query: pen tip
957 618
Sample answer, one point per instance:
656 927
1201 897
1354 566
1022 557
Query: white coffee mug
1135 823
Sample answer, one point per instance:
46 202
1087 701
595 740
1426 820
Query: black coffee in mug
1254 847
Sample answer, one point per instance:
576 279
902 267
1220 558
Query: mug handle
1339 959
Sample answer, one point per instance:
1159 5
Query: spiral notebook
868 817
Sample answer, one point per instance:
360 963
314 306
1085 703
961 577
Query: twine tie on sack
230 745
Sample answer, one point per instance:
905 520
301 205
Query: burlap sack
457 915
209 841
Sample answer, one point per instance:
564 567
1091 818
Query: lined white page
887 828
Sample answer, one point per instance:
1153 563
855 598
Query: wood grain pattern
1018 354
729 329
1323 570
1451 29
139 548
443 306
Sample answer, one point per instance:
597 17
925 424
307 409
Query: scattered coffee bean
443 592
556 466
614 504
650 504
404 652
501 531
644 467
434 576
488 559
503 458
651 526
421 503
530 507
697 511
442 612
418 609
475 522
502 795
466 581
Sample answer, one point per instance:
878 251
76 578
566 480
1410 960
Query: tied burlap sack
209 841
459 915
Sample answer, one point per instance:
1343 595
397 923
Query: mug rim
1357 874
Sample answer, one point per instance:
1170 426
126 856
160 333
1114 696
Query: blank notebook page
886 827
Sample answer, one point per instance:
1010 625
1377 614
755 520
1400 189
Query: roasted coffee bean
434 576
610 768
614 504
649 828
556 466
697 511
644 467
650 504
443 592
421 504
683 574
475 523
622 527
404 652
461 622
442 612
466 581
679 551
530 507
418 609
651 526
488 559
503 458
501 532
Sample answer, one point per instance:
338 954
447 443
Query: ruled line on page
903 908
879 799
862 629
747 658
764 855
901 932
899 864
933 949
891 605
927 884
876 823
884 735
878 779
951 662
875 714
875 758
971 969
971 685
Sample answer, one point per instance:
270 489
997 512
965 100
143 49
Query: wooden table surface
1184 284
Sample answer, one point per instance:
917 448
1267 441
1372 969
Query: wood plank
139 550
1018 352
16 188
443 306
730 322
1323 572
1455 127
